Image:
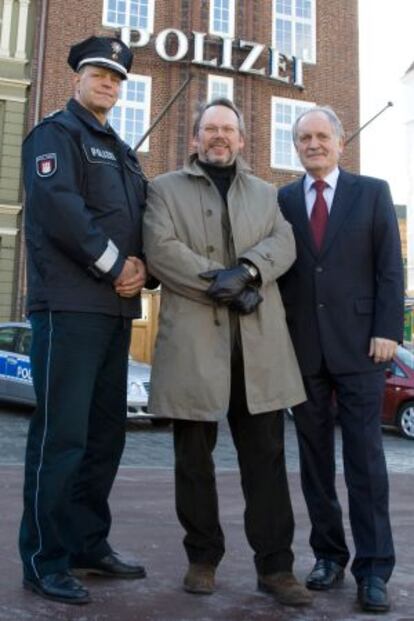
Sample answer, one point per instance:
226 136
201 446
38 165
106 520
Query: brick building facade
222 36
331 78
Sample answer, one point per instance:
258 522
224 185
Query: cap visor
105 62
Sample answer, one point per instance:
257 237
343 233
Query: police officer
85 196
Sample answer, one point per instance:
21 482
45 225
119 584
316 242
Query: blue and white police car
16 385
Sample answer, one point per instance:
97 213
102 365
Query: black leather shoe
60 587
112 566
372 594
324 575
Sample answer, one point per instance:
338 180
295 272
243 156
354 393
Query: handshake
234 287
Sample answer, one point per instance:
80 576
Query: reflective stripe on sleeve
108 259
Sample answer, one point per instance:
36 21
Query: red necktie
319 214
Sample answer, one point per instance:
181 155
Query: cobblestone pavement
151 447
145 524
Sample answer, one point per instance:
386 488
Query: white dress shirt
310 193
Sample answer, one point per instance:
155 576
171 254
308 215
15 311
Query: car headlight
136 390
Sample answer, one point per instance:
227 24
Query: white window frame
150 25
295 164
311 57
146 107
222 80
231 30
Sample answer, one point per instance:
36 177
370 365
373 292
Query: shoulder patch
46 165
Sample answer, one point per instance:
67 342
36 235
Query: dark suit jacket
336 300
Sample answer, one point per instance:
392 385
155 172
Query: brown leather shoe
285 588
200 579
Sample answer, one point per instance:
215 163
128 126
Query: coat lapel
345 199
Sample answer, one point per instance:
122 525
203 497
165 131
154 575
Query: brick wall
332 80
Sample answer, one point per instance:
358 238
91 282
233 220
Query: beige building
408 82
17 27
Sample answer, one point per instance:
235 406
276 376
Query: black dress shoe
112 566
372 594
60 587
324 575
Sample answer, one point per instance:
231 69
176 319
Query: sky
386 34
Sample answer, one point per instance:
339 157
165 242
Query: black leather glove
247 301
227 283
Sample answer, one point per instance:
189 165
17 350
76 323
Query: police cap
102 52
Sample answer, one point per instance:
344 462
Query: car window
25 342
396 370
406 357
7 338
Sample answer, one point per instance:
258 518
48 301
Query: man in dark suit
344 305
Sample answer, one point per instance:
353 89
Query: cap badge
116 49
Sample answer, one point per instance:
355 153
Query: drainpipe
41 56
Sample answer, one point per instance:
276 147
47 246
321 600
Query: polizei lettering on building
174 45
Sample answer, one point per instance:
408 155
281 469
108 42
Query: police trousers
76 437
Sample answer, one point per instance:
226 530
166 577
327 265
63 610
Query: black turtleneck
222 176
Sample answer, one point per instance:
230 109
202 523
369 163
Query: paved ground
150 447
145 525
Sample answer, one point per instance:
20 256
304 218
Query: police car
16 384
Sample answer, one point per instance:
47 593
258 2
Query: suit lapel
298 215
345 198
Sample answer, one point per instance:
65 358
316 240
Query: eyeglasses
213 130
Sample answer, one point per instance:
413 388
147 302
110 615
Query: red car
398 410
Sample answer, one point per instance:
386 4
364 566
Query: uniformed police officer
85 196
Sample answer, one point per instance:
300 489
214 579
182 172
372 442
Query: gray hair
218 101
330 115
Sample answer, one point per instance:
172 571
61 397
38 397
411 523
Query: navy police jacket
85 196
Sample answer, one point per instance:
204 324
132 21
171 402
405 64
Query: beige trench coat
183 237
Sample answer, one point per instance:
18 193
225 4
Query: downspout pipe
41 57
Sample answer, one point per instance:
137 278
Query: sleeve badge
46 165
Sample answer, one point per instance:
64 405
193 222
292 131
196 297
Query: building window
130 117
284 113
294 28
219 86
222 17
131 13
